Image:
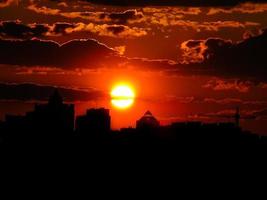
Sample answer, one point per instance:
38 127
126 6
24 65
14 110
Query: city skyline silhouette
54 123
133 73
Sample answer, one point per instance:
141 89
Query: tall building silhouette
47 121
54 116
147 121
94 123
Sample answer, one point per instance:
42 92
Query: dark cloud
247 8
32 92
172 2
116 29
61 27
244 60
15 29
219 57
123 17
73 54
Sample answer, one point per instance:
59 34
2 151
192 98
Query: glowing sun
122 96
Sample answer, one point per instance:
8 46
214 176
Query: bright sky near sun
122 96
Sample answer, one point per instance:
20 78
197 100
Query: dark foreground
172 153
173 140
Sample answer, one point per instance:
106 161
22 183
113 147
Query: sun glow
122 96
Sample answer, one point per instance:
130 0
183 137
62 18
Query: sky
187 60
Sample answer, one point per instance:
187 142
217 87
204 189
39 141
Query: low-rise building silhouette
147 121
94 123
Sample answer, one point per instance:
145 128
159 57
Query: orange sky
185 62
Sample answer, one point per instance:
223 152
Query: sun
122 96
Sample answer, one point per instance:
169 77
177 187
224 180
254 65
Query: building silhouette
54 116
237 116
94 123
51 121
147 121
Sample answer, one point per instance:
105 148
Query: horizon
231 119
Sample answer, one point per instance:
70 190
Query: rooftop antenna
237 116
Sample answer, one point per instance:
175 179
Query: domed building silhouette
148 121
55 117
48 122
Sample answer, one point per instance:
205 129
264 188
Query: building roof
55 98
148 120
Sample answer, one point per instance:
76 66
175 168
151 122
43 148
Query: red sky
186 62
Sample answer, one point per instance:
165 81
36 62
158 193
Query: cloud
33 92
222 85
244 60
6 3
120 49
127 16
246 8
163 16
224 58
117 31
123 17
43 10
173 10
193 51
229 113
60 28
171 2
15 29
41 71
151 64
73 54
63 4
223 101
171 18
